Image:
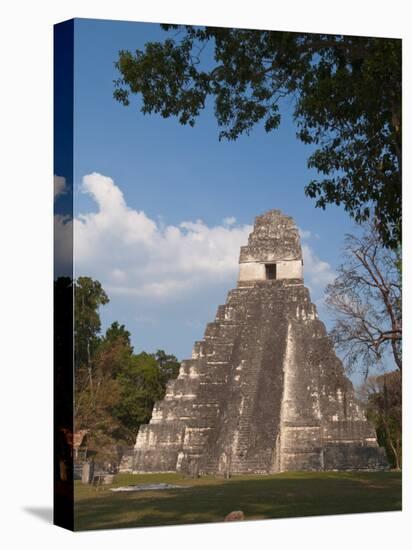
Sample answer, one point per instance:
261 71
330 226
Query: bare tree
365 300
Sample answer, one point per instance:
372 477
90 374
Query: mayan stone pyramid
264 391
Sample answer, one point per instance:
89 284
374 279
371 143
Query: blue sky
162 174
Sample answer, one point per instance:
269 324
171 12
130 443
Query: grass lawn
210 499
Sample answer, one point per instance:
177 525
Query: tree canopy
141 384
382 397
346 92
115 389
88 297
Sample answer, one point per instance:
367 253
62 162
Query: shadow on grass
264 497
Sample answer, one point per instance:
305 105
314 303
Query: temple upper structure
273 250
264 390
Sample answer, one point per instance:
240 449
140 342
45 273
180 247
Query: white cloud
231 220
135 256
59 187
63 239
306 234
63 234
317 272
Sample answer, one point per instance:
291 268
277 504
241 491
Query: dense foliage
346 92
383 399
115 389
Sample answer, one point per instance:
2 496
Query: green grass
210 499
